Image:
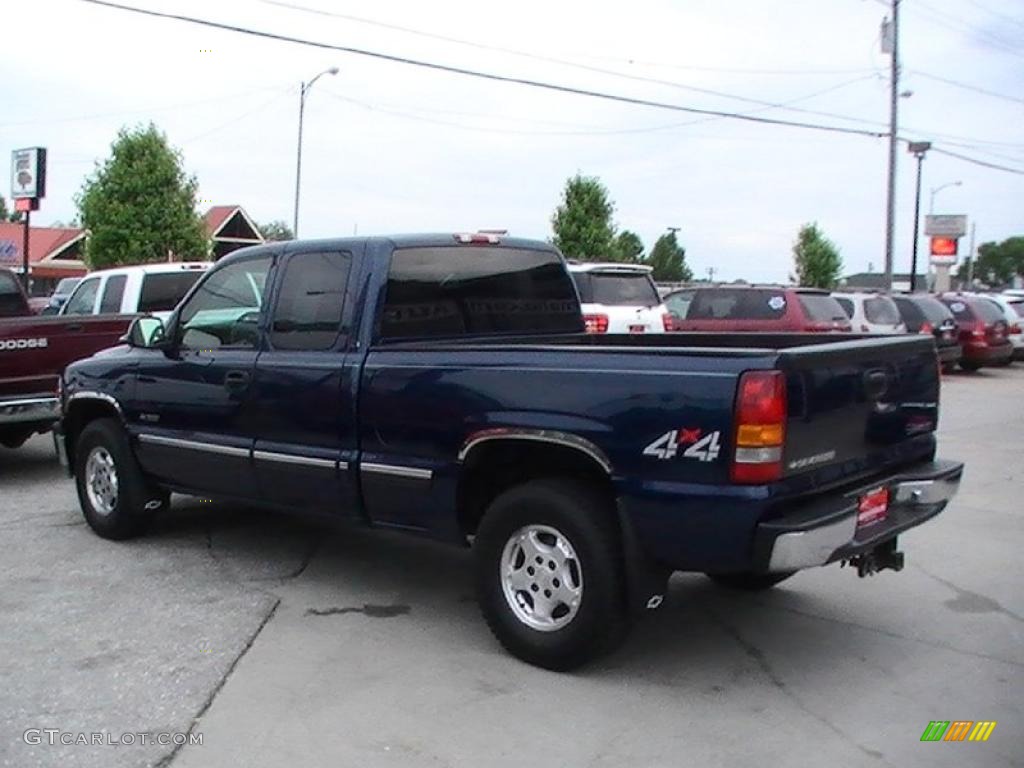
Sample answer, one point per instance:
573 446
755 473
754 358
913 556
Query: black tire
749 581
587 523
949 367
969 366
15 438
135 500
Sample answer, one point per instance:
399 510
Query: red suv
982 330
755 308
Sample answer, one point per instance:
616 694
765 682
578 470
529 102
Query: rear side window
822 308
84 298
846 304
161 292
881 310
990 311
617 289
308 312
678 303
1018 307
911 313
113 292
459 290
934 310
11 302
737 304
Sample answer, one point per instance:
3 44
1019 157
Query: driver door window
226 311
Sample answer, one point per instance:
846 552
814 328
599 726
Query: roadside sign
945 225
28 173
944 250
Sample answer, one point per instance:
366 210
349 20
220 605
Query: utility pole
711 274
891 39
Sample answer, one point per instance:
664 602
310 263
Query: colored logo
958 730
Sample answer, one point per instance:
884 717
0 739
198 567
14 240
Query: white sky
465 154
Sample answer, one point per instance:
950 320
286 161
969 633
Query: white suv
141 289
871 313
619 298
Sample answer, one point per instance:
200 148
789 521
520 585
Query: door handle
73 328
235 381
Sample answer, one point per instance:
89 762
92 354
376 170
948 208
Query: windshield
11 302
617 289
66 286
881 310
737 304
934 310
822 308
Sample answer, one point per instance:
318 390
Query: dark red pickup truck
34 350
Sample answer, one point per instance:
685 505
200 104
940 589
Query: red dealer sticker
873 506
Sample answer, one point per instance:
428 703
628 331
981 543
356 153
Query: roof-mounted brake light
477 238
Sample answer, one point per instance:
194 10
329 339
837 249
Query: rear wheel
968 365
549 574
116 499
749 581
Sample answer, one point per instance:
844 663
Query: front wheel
749 581
549 573
116 499
970 366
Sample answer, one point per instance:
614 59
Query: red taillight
667 323
927 328
760 427
979 330
596 323
477 238
1014 329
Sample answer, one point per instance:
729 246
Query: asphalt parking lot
284 642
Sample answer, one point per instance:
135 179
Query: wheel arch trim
550 436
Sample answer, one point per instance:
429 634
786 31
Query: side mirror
146 332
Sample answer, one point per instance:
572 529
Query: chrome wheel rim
101 481
541 577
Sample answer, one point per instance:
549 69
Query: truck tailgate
859 405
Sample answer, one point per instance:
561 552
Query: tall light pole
303 90
918 149
891 41
936 190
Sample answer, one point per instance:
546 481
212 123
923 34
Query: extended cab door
303 396
191 410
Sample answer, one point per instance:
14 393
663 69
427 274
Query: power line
967 86
490 76
957 24
562 62
541 57
975 161
276 97
998 14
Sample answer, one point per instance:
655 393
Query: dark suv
925 314
982 330
756 308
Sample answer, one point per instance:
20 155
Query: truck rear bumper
827 530
30 410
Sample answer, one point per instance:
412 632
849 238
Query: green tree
582 222
6 215
627 247
668 258
998 263
817 260
275 231
139 205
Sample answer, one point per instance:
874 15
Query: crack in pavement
167 759
373 611
888 633
776 680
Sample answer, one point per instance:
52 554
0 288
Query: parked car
1013 312
923 313
982 329
677 302
34 349
144 289
444 385
60 295
759 308
871 312
619 298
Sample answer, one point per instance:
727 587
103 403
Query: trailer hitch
881 558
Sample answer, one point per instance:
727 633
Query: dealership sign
9 252
945 226
28 173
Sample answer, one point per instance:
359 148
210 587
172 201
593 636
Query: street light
936 190
918 149
303 90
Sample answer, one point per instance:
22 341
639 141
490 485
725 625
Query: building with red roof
56 252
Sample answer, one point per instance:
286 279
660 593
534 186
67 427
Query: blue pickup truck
444 385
